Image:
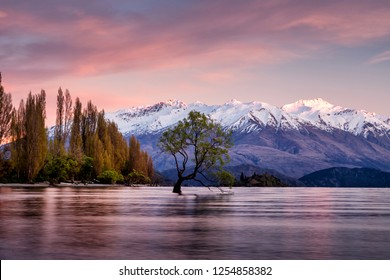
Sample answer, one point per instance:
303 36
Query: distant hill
248 171
347 177
262 180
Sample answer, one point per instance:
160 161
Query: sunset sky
129 53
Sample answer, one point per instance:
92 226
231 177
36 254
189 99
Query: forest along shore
79 185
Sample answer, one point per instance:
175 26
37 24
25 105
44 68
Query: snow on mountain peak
175 103
302 105
233 102
324 115
198 103
316 102
253 116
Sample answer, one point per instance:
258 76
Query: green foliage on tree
225 178
197 144
86 169
137 177
60 169
110 177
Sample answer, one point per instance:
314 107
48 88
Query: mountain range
293 140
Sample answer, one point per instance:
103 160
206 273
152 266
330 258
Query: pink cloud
223 34
216 42
3 14
346 28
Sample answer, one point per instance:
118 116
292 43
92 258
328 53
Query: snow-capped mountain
295 139
324 115
254 116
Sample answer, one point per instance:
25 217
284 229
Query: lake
153 223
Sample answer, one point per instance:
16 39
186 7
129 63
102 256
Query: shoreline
81 185
73 185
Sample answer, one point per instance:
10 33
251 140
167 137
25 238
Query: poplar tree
143 162
68 114
119 145
29 136
18 133
36 136
88 128
150 168
76 142
110 148
5 113
134 154
98 154
139 163
63 121
58 131
102 148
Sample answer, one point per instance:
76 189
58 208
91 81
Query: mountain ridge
295 139
235 114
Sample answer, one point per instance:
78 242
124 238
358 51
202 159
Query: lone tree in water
197 139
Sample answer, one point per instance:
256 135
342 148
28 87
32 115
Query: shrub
225 178
86 170
110 177
136 177
59 169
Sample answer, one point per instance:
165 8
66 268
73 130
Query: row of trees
85 146
82 146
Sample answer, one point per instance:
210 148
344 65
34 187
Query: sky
129 53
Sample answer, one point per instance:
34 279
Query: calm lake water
153 223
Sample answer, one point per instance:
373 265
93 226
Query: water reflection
153 223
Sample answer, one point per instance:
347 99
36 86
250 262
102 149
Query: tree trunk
177 186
